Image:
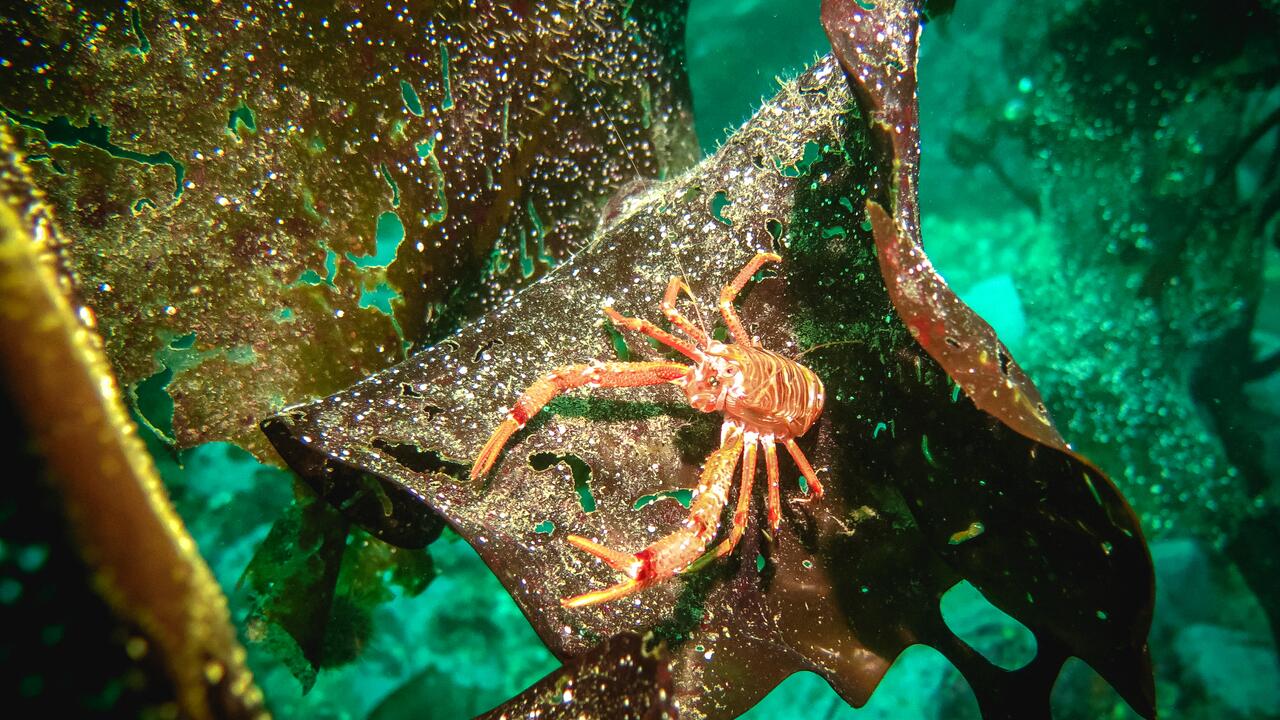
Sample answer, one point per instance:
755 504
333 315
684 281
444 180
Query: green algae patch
313 278
61 131
447 102
391 184
719 202
812 153
379 297
684 496
579 472
143 45
619 343
152 403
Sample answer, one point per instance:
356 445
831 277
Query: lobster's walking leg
740 514
679 320
806 469
730 292
774 503
655 332
616 374
671 553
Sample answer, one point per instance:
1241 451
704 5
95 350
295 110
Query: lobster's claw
626 587
624 562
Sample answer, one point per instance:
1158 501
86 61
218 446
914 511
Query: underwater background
1099 181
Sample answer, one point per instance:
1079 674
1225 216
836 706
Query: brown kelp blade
924 488
619 678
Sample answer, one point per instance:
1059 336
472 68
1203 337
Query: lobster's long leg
616 374
741 513
771 464
806 469
671 553
679 320
655 332
730 292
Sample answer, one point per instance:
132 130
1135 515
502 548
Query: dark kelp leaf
267 202
293 578
618 679
880 57
315 583
924 487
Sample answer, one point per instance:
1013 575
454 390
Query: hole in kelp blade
990 631
578 469
419 460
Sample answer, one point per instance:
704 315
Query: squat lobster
765 398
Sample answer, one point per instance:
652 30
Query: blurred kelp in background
1112 192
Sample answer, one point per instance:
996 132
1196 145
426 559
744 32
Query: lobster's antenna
697 311
599 101
820 346
626 150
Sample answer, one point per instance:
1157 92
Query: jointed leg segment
740 513
616 374
674 288
730 293
655 332
806 469
672 553
774 503
616 559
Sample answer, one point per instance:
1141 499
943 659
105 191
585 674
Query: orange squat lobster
765 398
